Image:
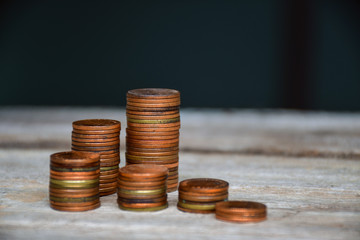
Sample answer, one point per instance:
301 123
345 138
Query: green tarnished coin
74 183
152 209
148 121
58 169
196 206
142 192
102 169
74 200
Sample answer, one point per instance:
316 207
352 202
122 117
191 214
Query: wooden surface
304 166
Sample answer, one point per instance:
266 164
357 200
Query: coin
96 124
204 185
75 209
143 171
240 211
153 93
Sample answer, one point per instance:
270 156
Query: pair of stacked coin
199 195
74 181
142 187
240 211
152 134
100 136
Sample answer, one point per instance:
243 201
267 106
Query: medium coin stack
100 136
199 195
74 181
142 187
152 134
240 211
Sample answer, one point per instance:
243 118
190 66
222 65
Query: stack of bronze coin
74 181
142 187
100 136
199 195
152 134
240 211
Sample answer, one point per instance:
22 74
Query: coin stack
100 136
74 181
199 195
142 187
240 211
152 134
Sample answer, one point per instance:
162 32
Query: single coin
142 179
240 211
154 121
152 101
143 171
151 154
204 185
153 93
173 189
90 170
143 205
95 136
153 209
152 200
196 206
74 159
151 117
89 148
75 204
74 175
90 183
143 184
135 188
142 192
203 198
194 211
131 196
75 209
94 140
97 132
156 124
96 124
133 132
95 144
153 113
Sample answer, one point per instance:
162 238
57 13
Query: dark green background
217 53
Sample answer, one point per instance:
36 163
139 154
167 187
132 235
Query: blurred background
248 54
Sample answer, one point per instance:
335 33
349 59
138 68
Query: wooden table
304 166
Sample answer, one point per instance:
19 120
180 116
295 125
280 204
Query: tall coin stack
199 195
74 181
152 134
100 136
142 187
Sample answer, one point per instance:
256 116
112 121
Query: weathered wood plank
308 197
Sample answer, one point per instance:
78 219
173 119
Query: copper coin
107 193
131 196
143 171
71 200
95 144
151 154
152 109
96 124
101 153
90 148
95 136
109 164
97 132
152 158
153 146
106 177
75 204
150 117
114 159
74 158
133 132
133 125
89 191
108 185
110 180
143 179
241 211
173 189
73 177
151 161
152 101
204 185
75 174
107 190
153 104
143 184
153 113
112 155
95 140
143 205
156 129
152 142
169 150
69 169
153 93
109 172
125 187
152 138
75 209
151 200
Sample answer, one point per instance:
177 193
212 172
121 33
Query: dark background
252 54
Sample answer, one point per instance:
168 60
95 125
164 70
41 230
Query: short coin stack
152 134
142 187
100 136
240 211
199 195
74 181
